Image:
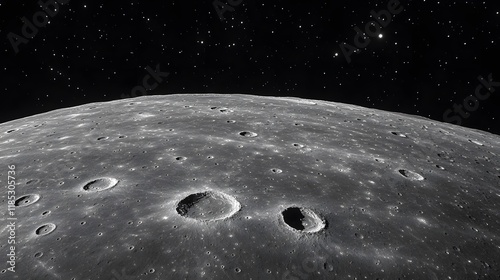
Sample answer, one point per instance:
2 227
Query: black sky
428 58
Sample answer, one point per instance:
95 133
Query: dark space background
429 56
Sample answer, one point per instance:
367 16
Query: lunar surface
207 186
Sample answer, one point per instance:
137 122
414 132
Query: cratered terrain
207 186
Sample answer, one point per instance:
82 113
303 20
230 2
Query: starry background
428 58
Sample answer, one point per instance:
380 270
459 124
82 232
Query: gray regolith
208 186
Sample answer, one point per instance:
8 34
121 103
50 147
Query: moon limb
399 193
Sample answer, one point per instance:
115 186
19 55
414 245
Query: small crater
411 175
32 181
399 134
302 148
303 220
221 109
45 229
298 146
102 138
208 206
276 170
26 200
248 134
38 255
476 142
100 184
10 131
359 235
180 158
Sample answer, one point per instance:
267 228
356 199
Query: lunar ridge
235 186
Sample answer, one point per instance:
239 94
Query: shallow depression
26 200
100 184
411 175
45 229
248 134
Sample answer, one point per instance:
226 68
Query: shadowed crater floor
208 206
303 220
